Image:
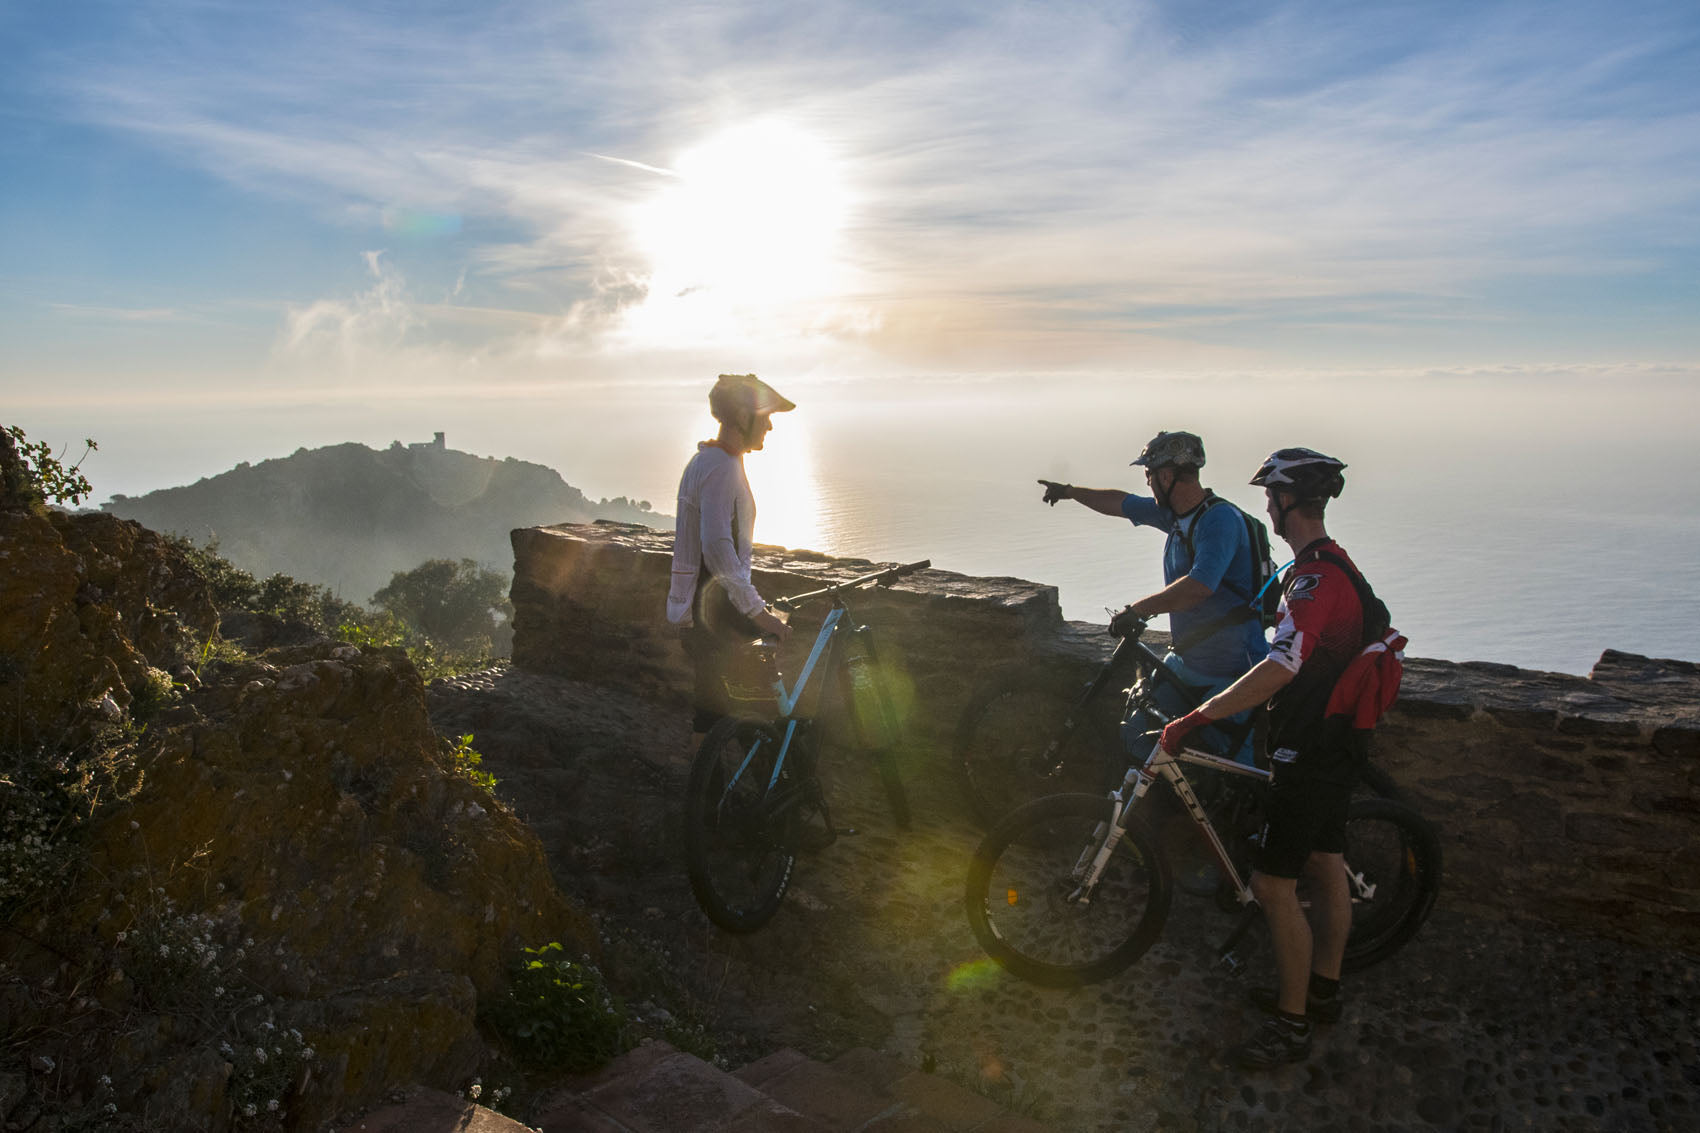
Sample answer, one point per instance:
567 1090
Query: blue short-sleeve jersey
1221 560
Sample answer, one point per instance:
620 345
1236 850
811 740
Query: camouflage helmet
1306 473
744 393
1167 449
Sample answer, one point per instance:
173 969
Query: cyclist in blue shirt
1208 572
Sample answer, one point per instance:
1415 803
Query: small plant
468 763
182 963
152 694
46 797
199 971
558 1013
46 475
265 1063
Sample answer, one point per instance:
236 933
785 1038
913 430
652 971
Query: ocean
1502 519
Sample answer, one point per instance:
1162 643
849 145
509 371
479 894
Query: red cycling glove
1175 733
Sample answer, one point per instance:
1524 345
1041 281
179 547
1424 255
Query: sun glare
749 226
783 477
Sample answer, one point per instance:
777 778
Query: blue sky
248 204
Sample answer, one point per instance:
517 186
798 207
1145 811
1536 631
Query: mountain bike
753 783
1073 888
1024 736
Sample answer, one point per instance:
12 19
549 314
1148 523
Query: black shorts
717 635
1303 816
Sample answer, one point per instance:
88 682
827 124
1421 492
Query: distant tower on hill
438 441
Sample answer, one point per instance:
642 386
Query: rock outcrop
285 847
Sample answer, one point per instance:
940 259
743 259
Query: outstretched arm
1107 501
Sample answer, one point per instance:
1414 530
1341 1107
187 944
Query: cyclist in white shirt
712 600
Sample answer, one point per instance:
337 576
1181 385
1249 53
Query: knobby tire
1022 896
740 838
1391 847
1000 754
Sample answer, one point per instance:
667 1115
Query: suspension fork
1095 858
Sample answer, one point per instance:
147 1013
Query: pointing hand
1055 491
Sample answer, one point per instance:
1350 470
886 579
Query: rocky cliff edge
273 893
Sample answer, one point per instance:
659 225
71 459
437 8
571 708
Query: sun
749 224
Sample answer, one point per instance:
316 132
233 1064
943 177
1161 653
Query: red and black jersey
1321 629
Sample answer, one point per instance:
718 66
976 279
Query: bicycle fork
1106 836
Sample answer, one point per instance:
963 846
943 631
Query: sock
1297 1024
1321 987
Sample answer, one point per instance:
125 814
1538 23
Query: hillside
348 516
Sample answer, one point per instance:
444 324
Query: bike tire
1391 848
892 781
740 834
1021 884
1000 754
1375 779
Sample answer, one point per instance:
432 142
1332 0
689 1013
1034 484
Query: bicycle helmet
1306 473
739 394
1166 449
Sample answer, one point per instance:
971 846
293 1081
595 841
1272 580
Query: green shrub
46 798
559 1014
43 475
467 762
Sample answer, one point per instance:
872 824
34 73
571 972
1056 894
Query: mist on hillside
349 517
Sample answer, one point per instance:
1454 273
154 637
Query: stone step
425 1110
656 1088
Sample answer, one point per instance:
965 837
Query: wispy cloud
1056 177
122 314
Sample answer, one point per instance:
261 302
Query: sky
259 216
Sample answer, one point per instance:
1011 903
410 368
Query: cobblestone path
1477 1024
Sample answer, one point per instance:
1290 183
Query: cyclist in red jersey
1315 764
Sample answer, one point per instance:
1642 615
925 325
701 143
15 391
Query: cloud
122 314
1092 176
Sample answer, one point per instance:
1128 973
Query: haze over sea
1496 526
1455 243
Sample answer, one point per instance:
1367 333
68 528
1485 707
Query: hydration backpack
1264 601
1369 684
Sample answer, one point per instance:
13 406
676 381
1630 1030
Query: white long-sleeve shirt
715 523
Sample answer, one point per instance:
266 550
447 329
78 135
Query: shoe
1316 1010
1276 1043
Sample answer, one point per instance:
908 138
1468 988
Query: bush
558 1013
232 588
46 798
453 604
32 471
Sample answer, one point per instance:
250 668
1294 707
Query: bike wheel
1025 905
1393 868
1378 782
740 833
895 795
1014 745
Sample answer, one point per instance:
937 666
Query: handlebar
1132 625
879 578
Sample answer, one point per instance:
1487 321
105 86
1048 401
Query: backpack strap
1375 616
1210 501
